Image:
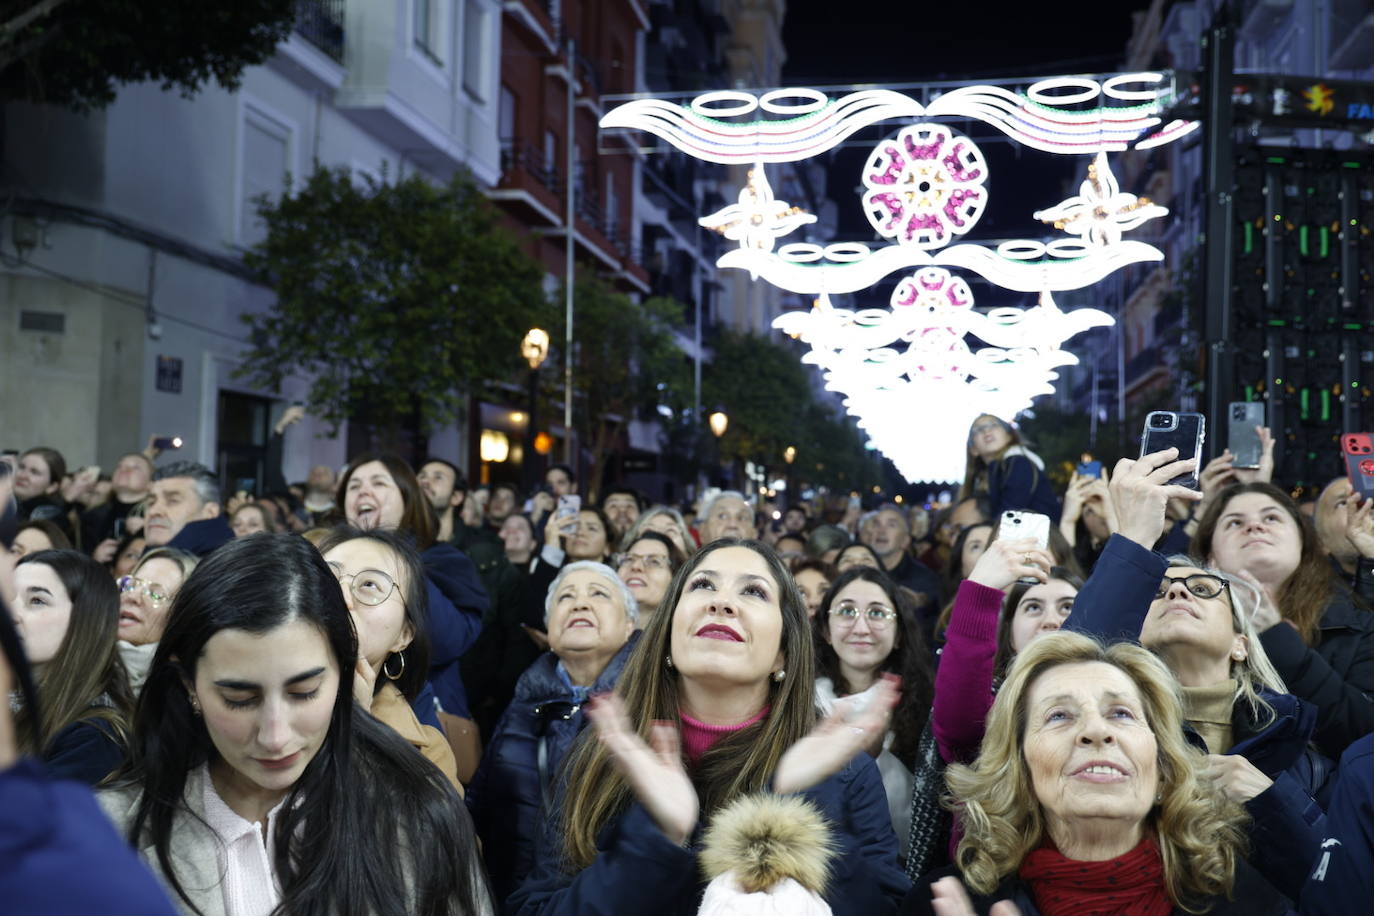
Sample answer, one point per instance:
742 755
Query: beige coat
389 707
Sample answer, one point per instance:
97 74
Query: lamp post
789 455
535 348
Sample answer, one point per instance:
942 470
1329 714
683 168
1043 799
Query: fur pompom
764 839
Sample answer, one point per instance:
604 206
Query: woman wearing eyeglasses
647 566
144 598
1200 621
382 578
863 632
590 615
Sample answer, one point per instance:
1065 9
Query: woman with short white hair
590 616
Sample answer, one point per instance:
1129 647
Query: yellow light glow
494 446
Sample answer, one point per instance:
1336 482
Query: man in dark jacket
186 510
1342 881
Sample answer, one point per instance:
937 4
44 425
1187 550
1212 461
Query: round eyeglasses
155 594
878 615
1200 585
369 586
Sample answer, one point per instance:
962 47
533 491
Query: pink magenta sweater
698 737
963 682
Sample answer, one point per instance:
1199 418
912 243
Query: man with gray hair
727 515
886 530
184 510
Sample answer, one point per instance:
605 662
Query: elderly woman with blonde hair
1088 799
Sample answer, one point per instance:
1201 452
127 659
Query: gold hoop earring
402 656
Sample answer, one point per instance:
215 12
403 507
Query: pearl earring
779 675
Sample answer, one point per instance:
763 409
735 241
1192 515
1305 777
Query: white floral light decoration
1101 211
916 374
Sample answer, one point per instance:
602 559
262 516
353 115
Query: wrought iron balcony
529 158
321 22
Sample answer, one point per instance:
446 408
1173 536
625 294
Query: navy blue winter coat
1017 482
87 751
61 855
457 602
1343 880
638 870
1287 822
515 782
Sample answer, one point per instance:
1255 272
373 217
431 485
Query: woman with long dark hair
715 703
863 631
67 610
256 783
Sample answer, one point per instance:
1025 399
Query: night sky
956 41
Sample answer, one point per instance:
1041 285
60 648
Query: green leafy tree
394 299
626 365
75 53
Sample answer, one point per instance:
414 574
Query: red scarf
1129 885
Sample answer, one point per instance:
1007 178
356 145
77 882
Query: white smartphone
1018 524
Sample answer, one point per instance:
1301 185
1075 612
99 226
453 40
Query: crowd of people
385 691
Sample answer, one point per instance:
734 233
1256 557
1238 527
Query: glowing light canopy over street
916 374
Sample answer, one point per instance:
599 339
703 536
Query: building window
429 28
475 19
505 116
550 152
612 209
263 168
241 441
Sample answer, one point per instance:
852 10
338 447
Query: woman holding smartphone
1001 469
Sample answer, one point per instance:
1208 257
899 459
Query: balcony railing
321 22
530 158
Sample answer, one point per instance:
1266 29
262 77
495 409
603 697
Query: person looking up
621 506
560 480
318 499
251 518
67 611
666 521
791 546
1336 517
1001 469
256 782
796 520
126 556
813 578
382 578
130 485
727 515
145 597
591 621
716 702
185 509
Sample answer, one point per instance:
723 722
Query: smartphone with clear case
1183 431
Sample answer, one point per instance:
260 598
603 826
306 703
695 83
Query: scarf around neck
1132 884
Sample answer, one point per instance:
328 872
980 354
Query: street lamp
535 348
718 422
789 455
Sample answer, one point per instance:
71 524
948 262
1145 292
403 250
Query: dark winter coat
62 855
638 870
514 783
1342 880
87 751
1017 482
1287 822
457 602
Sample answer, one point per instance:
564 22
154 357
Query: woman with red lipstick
865 630
1087 800
256 783
1317 634
716 702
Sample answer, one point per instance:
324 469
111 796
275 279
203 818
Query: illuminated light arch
908 373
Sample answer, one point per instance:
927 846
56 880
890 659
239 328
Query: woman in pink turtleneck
715 703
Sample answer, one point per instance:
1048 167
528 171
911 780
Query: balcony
530 185
321 22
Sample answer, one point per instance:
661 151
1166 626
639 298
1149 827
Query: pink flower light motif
925 186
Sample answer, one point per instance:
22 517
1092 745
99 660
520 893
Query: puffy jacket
1287 822
457 602
638 870
514 782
